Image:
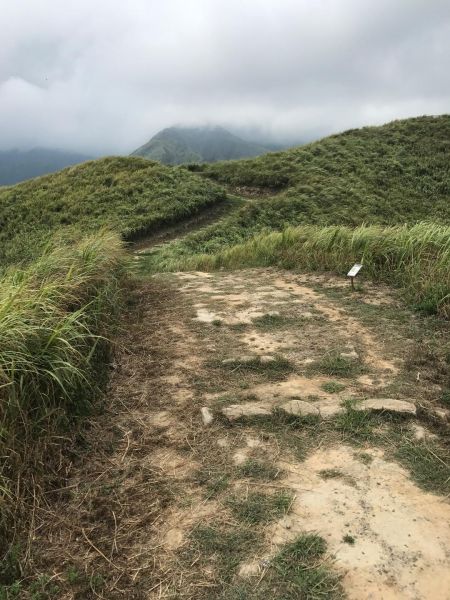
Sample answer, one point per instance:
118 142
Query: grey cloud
102 76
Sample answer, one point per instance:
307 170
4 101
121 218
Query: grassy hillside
55 320
397 173
178 145
130 195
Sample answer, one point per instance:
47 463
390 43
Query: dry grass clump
55 319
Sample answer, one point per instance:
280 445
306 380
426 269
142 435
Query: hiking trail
250 416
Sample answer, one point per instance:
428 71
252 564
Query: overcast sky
102 76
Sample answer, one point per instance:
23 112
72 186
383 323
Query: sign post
353 273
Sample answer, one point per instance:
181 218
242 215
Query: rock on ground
404 407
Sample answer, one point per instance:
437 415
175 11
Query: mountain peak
210 143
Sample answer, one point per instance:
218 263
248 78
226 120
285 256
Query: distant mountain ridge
178 145
19 165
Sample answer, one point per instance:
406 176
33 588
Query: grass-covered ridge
55 320
131 195
394 174
399 172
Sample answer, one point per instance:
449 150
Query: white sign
354 270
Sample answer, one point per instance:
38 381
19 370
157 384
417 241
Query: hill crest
178 145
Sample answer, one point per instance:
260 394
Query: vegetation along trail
266 435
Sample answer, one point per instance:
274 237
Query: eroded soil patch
348 502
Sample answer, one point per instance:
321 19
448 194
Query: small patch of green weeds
295 422
9 566
273 321
269 321
97 582
260 508
330 473
257 469
43 589
228 399
364 457
337 474
215 482
332 387
299 571
358 425
273 369
338 366
73 575
224 547
445 398
239 327
348 539
428 463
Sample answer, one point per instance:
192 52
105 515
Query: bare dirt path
266 435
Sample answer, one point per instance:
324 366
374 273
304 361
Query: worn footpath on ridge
252 415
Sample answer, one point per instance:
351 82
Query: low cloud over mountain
96 76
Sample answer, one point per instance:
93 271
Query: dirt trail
170 233
150 514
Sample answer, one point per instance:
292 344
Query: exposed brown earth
156 471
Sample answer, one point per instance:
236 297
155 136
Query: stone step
323 408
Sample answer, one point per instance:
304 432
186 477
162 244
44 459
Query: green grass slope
133 196
396 173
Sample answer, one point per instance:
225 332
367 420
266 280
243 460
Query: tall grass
416 258
55 319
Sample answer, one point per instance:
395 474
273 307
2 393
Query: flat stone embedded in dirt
248 409
403 407
308 361
329 407
441 414
421 433
247 570
207 415
205 316
223 442
162 419
299 408
350 355
266 358
174 538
